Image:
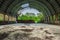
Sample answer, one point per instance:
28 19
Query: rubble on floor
26 33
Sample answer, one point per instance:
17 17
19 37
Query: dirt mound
26 33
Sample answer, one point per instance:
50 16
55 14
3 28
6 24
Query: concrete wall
4 17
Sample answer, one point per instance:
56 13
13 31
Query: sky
27 9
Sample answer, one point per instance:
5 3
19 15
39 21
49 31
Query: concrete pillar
56 19
48 19
8 18
45 20
4 17
59 17
51 19
16 18
11 18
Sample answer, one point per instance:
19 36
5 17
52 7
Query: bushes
27 16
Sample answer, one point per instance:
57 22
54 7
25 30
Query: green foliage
1 18
31 16
23 17
59 16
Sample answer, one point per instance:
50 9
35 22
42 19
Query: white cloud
28 10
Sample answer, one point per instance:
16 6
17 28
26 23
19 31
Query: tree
32 16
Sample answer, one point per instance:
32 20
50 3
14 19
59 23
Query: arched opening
32 5
29 15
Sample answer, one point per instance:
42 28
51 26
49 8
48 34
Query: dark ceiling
12 6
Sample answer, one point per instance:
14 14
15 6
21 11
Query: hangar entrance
29 15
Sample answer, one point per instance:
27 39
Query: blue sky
27 9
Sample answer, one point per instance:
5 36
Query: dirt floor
29 32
